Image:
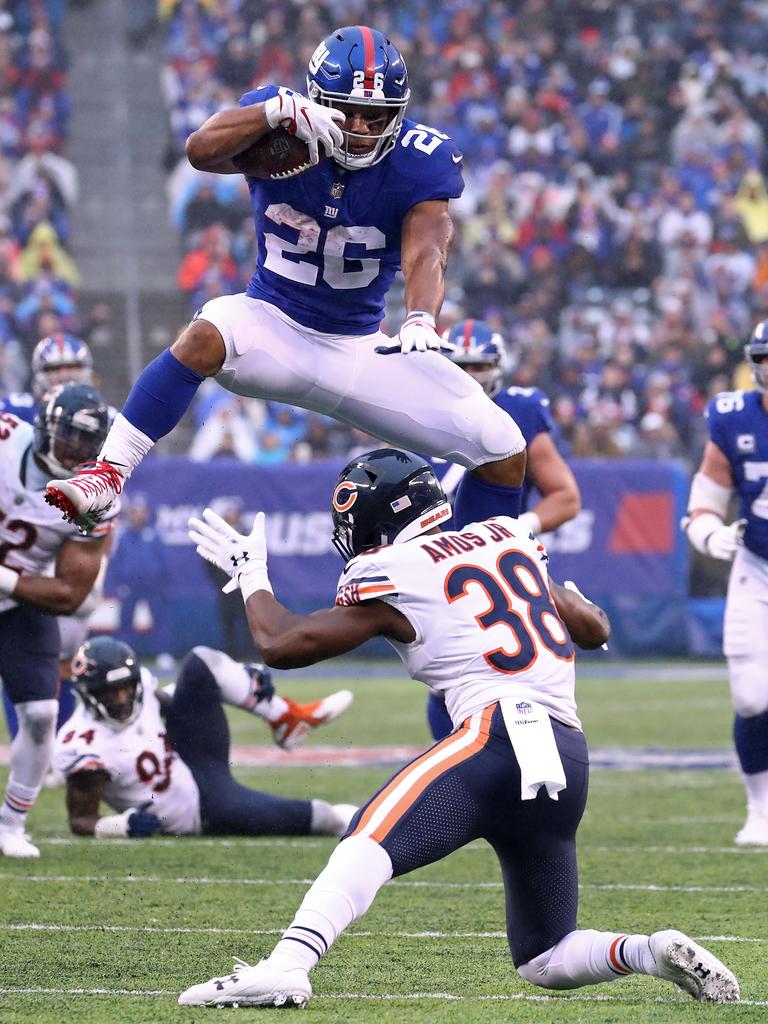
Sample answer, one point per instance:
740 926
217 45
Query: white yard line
352 934
512 997
151 879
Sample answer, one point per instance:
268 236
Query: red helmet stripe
368 54
469 326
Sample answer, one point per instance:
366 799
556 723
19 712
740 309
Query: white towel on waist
530 732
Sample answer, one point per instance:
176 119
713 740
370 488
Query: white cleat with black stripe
687 964
260 985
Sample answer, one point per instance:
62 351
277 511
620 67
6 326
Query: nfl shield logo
337 190
523 707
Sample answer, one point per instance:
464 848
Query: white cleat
261 985
301 719
754 832
687 964
86 497
16 843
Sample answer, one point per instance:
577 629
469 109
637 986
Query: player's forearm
83 825
49 594
224 135
587 623
425 281
557 507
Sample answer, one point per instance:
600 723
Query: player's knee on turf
37 719
749 686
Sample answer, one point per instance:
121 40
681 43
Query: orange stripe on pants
422 780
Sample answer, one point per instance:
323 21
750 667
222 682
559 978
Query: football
275 155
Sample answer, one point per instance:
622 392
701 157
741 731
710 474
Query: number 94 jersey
144 770
329 239
738 425
486 625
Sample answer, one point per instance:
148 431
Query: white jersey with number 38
486 625
143 768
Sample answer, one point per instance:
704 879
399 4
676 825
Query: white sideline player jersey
486 625
31 532
143 769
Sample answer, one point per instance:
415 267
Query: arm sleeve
264 92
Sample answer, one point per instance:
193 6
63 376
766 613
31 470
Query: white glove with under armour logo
307 120
418 332
243 558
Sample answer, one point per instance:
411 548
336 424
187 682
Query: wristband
255 579
700 529
420 314
112 826
8 581
531 522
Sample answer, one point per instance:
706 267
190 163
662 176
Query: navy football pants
458 792
198 731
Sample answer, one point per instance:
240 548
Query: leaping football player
160 758
329 242
47 568
473 613
736 459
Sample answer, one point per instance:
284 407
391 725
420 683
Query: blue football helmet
107 676
359 65
479 350
385 497
58 359
756 354
70 427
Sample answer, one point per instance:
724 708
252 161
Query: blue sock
161 395
477 500
751 738
440 724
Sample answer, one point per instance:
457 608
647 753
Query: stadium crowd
614 225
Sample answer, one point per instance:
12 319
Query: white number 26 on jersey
336 269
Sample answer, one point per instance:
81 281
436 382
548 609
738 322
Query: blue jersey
20 404
738 425
328 240
529 408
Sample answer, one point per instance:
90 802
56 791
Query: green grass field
113 930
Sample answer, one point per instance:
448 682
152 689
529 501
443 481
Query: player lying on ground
474 614
47 569
307 331
160 758
736 459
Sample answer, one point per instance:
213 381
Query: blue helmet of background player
359 65
58 359
70 428
479 350
107 676
756 354
385 497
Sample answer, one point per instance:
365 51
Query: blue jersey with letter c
328 240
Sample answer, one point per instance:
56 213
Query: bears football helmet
479 350
70 427
385 497
107 676
359 65
58 359
756 354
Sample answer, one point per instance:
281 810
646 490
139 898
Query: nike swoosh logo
457 159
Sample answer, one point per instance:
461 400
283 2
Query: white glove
418 332
308 121
244 558
724 541
570 585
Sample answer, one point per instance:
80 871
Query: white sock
30 758
125 445
587 957
757 792
342 892
238 687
